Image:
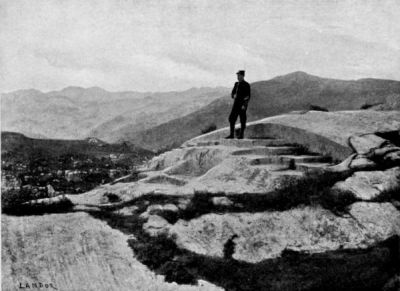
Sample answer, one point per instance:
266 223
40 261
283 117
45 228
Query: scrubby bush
318 108
368 105
59 206
14 197
209 128
112 198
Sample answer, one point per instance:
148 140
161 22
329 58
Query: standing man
241 96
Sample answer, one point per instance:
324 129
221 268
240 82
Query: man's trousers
237 111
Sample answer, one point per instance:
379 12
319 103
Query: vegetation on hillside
35 169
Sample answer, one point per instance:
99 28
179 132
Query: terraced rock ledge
273 211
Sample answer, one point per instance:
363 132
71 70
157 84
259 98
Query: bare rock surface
219 169
222 201
236 176
364 143
263 164
198 160
74 252
261 213
266 235
360 163
156 225
377 219
323 132
369 185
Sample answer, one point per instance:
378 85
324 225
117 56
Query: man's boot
232 134
241 134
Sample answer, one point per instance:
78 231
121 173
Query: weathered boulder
363 144
265 235
157 209
360 163
383 151
156 225
152 209
183 203
392 158
127 211
377 219
369 185
371 158
170 207
222 201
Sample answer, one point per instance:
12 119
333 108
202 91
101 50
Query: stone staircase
239 166
260 158
271 154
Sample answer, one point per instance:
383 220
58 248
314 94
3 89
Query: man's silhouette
241 96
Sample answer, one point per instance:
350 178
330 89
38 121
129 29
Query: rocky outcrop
74 251
305 204
156 225
323 132
266 235
365 143
370 185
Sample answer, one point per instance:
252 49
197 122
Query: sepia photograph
200 145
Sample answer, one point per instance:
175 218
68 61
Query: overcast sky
174 45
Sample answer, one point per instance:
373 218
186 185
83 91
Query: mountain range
77 113
159 121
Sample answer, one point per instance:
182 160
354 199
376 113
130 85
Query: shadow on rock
350 269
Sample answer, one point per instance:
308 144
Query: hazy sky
174 45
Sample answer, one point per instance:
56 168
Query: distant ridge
297 76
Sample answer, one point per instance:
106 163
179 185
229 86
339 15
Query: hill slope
69 166
295 91
17 146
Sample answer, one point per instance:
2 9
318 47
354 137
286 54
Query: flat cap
241 72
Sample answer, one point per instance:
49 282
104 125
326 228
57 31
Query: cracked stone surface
369 185
310 229
74 251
